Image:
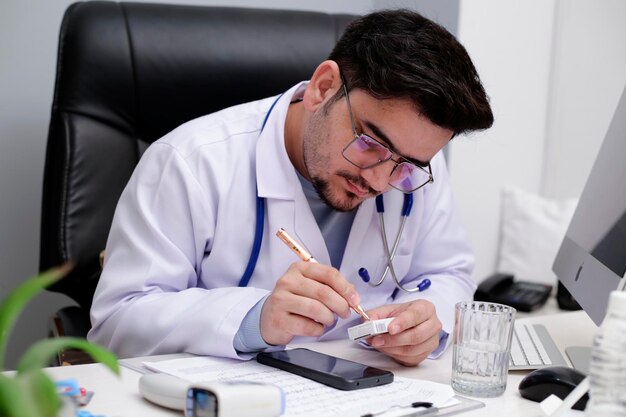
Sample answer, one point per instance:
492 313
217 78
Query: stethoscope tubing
390 255
363 273
260 222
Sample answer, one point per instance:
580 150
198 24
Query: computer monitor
592 258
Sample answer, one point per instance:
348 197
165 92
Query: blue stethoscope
365 276
363 273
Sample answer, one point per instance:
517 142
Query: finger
427 346
415 313
310 308
331 277
301 326
328 278
411 355
410 337
320 292
278 326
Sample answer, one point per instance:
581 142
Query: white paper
309 398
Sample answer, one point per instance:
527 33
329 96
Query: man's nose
378 177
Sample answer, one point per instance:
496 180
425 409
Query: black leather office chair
128 73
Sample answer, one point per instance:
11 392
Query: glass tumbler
481 348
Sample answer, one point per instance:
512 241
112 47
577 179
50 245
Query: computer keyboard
533 348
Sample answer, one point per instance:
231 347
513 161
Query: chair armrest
71 322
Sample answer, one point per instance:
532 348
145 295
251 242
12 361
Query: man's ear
324 84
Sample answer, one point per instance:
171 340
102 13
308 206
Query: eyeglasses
365 152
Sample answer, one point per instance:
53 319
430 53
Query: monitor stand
579 356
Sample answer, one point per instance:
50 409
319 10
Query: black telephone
521 295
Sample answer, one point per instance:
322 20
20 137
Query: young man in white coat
371 121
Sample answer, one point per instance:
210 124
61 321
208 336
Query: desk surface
120 397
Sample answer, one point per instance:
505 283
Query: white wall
28 47
554 70
510 43
588 78
28 39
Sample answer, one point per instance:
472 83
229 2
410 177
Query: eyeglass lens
365 152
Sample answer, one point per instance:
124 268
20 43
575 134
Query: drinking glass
481 348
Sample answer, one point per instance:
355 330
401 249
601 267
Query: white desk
119 396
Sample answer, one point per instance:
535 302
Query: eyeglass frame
403 160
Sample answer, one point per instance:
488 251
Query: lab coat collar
276 175
277 180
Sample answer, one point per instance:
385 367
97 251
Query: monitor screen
592 257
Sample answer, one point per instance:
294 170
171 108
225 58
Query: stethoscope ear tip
365 276
424 284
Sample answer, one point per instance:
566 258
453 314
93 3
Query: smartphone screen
329 370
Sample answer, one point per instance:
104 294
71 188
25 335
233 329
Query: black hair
401 54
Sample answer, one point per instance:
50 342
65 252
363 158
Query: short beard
314 160
322 188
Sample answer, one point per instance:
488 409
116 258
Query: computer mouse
557 380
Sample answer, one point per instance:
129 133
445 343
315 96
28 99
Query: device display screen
335 372
599 223
327 364
203 403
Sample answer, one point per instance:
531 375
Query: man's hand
306 298
413 334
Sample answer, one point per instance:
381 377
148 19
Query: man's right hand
305 299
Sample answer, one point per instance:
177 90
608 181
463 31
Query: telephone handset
521 295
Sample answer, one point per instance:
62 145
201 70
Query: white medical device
213 399
369 328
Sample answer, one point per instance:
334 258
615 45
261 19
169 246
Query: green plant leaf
39 354
15 401
41 391
13 304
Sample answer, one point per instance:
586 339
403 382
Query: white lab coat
183 230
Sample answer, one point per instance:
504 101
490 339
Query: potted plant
30 392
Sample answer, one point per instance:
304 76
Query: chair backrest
128 73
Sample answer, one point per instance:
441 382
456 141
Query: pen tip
362 312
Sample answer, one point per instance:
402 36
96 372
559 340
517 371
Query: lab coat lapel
360 238
296 218
278 183
307 230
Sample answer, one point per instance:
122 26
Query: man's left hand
413 334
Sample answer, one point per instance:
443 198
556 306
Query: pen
424 409
307 257
423 412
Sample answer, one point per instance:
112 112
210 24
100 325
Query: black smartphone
328 370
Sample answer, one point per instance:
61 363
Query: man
371 120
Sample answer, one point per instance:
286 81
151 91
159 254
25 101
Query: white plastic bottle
607 370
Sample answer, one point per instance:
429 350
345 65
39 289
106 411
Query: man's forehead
398 123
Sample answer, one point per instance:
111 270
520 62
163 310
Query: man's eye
369 140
